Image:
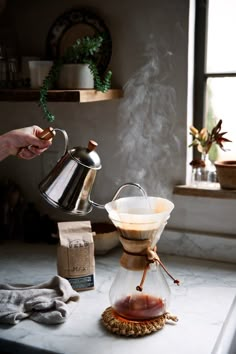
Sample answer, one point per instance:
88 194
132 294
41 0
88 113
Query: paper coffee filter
140 209
131 224
139 212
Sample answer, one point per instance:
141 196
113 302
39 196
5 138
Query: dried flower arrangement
203 140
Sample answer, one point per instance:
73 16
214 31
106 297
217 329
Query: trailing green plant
84 51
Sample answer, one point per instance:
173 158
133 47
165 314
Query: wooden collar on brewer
152 257
138 255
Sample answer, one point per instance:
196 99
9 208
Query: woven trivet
121 326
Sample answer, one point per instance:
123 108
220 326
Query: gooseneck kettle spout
127 184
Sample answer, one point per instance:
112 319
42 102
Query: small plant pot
226 173
75 76
38 70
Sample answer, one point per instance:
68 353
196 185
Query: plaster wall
142 137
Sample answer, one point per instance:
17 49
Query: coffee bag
75 254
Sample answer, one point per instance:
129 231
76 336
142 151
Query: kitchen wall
141 137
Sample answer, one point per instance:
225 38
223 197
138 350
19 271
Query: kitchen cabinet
80 96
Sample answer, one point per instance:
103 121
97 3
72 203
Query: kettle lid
87 156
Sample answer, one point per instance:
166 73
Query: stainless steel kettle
69 184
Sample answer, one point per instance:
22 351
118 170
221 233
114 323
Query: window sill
216 192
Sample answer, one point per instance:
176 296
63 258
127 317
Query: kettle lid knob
86 156
92 145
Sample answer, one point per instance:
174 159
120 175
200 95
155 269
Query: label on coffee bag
75 254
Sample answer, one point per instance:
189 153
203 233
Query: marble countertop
202 303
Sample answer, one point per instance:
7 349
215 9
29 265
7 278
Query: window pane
221 48
221 104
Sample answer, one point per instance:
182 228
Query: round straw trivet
124 327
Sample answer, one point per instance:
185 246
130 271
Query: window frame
199 61
200 74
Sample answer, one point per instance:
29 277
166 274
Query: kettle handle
65 137
49 133
46 134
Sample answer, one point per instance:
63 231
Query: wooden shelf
81 96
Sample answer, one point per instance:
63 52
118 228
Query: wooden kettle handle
47 134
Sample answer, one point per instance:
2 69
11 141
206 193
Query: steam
146 126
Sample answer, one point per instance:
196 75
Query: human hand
23 142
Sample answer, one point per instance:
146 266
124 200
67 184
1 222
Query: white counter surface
201 302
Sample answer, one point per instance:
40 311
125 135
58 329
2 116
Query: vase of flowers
203 169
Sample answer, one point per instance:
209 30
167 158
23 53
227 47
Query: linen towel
50 302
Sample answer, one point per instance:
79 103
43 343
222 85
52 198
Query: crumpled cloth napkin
50 302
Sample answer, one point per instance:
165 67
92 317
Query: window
215 70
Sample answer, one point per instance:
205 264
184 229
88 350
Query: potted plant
84 51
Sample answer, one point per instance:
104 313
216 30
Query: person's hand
23 142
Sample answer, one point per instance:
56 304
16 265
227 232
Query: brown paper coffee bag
75 254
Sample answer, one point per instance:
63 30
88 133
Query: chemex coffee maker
139 295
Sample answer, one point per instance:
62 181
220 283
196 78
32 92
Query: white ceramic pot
38 70
75 76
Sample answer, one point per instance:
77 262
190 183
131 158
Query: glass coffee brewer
140 294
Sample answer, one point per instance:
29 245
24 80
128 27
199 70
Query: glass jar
204 175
